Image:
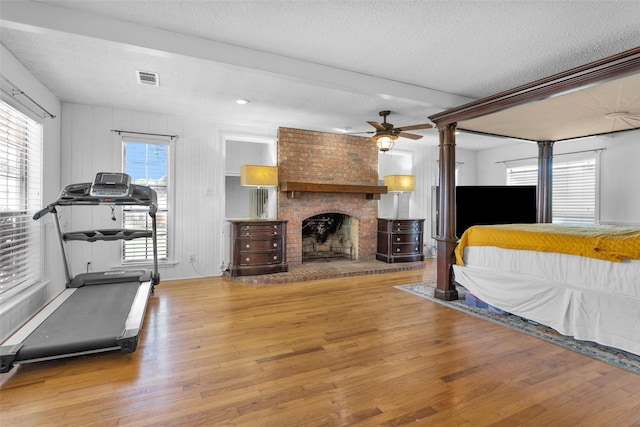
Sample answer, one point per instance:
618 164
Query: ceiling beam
39 17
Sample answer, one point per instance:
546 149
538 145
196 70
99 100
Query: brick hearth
326 158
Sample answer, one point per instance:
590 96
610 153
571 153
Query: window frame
170 234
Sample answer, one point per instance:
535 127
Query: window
20 185
574 188
147 162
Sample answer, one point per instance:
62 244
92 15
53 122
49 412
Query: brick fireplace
324 158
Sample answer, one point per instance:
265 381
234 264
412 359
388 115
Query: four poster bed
583 281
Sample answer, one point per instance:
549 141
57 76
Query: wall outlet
192 258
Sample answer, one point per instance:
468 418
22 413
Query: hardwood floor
336 352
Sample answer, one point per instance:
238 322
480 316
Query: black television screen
500 204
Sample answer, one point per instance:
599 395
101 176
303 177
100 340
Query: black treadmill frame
126 342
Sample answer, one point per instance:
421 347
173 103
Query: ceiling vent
148 78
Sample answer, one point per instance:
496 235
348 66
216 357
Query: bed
564 291
583 281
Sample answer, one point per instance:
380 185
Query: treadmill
97 311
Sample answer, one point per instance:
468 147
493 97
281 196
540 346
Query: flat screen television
494 204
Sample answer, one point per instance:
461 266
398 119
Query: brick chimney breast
327 158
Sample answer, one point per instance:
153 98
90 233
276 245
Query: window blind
573 192
20 198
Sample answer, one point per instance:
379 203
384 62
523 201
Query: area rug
613 356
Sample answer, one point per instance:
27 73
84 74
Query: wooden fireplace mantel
371 192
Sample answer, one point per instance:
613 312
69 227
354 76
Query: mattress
621 278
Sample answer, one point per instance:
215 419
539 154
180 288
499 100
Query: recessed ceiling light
242 101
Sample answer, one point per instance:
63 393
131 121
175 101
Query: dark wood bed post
446 238
545 181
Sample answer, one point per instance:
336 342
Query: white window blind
574 188
20 198
574 191
148 164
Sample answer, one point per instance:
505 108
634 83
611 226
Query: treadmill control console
111 184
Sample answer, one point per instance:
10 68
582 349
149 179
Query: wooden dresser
258 247
400 240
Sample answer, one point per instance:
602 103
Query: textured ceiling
318 65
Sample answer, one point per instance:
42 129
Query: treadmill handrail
44 211
107 234
80 194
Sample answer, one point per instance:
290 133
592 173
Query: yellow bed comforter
610 243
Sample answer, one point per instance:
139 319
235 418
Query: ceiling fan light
385 142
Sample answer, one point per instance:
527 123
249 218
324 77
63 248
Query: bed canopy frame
597 98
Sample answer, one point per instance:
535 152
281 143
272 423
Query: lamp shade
258 176
399 182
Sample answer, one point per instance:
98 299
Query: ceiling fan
386 133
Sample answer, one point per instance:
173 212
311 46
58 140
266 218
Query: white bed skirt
586 298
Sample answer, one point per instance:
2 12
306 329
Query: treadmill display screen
111 179
111 184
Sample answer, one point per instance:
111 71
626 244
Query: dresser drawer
405 248
400 225
260 258
258 230
406 226
245 245
406 238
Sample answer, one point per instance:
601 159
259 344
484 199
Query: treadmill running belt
90 319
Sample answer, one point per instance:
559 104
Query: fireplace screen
329 236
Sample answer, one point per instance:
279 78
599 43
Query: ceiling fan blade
409 135
359 133
377 125
415 127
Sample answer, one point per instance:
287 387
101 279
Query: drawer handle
275 245
248 259
275 226
247 246
398 250
275 257
275 232
416 249
247 233
397 239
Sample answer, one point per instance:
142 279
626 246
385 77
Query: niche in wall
245 151
394 162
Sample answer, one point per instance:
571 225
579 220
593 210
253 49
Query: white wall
619 171
198 180
19 308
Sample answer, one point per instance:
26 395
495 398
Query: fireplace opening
329 236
